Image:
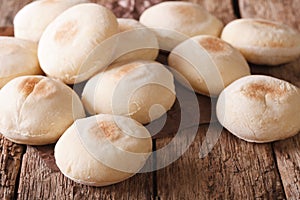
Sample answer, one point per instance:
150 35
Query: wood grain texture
10 164
234 169
9 9
289 72
286 151
41 179
288 160
6 31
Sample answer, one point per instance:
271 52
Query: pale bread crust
263 41
31 21
36 110
225 64
142 36
17 58
131 89
77 162
73 47
174 22
260 109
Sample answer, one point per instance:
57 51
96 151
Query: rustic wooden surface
41 179
288 151
234 169
10 161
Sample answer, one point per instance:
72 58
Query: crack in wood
236 8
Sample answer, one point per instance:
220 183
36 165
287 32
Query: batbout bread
174 22
135 42
17 58
142 90
36 110
207 61
31 21
102 149
262 41
75 45
260 109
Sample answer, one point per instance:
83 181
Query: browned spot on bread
110 130
28 84
45 89
188 13
182 9
66 32
213 44
261 89
125 27
276 44
124 69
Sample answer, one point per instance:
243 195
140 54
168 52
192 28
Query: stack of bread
81 42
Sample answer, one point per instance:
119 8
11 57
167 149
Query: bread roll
136 42
102 149
142 90
36 110
31 21
208 61
75 45
17 57
174 22
260 109
263 42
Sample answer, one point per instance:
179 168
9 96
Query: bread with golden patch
77 44
208 64
135 42
263 42
260 109
175 21
103 149
143 90
31 21
36 110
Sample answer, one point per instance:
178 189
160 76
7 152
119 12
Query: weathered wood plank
286 151
6 31
234 169
8 10
10 164
41 179
288 161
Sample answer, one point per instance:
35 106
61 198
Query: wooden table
234 169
